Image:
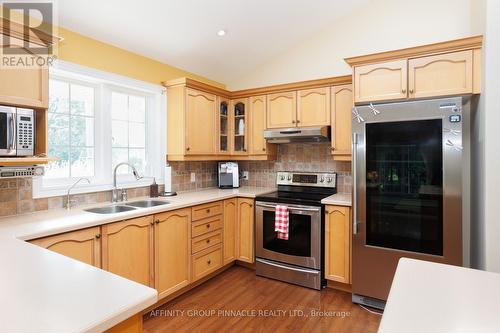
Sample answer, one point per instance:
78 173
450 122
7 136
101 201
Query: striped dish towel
281 222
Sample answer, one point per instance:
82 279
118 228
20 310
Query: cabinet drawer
207 225
206 262
206 210
205 241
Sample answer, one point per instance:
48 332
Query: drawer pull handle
208 225
208 210
98 236
208 241
209 261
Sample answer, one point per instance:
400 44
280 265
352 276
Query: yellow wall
82 50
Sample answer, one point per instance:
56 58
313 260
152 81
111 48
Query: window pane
58 130
120 155
82 162
119 106
137 137
138 159
82 131
82 100
137 109
60 167
119 132
59 96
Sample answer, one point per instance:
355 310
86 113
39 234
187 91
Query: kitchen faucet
68 200
124 192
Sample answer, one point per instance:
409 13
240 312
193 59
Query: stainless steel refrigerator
410 164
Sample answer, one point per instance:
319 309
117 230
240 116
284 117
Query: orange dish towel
281 222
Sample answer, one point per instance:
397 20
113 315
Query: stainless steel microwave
17 131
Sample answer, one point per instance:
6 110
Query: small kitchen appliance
17 131
228 175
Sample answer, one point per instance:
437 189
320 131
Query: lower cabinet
338 243
83 245
127 249
206 261
230 218
172 233
245 231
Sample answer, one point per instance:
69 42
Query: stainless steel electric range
299 259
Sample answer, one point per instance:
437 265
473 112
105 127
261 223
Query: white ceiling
182 33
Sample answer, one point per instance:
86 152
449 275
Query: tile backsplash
16 194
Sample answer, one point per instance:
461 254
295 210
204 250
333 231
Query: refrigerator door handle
355 185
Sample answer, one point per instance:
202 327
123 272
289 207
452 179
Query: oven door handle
292 208
303 270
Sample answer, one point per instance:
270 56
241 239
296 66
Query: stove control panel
318 179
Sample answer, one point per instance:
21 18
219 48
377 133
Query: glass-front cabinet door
224 126
240 126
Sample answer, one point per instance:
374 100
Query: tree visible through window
71 130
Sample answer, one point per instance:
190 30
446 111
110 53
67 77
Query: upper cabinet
313 107
443 74
282 109
257 110
239 116
341 122
200 122
224 126
380 82
442 69
27 87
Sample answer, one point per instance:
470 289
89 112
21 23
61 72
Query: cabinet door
172 251
380 82
313 107
127 249
341 122
282 110
82 245
258 125
200 123
224 128
338 244
245 230
230 217
24 87
440 75
239 118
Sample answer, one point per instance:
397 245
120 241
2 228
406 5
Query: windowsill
59 190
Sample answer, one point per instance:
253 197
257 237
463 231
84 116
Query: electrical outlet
193 177
245 175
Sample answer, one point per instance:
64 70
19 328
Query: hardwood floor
231 302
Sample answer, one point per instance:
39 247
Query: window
97 120
71 129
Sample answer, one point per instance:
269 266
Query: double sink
113 209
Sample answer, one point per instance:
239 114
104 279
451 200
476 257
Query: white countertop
338 199
42 291
430 297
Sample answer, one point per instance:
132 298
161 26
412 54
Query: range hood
298 134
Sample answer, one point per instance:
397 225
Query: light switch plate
193 177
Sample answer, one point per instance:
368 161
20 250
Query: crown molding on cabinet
474 42
185 81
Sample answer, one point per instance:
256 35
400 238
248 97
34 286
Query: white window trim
155 138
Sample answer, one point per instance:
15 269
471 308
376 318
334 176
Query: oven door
303 247
7 131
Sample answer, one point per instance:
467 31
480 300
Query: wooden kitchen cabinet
313 107
338 244
128 251
172 234
229 230
239 118
282 109
245 230
258 144
27 87
82 245
441 75
200 122
224 128
381 81
341 109
206 262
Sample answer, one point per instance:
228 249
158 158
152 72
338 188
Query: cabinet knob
403 91
411 91
208 241
209 261
332 148
208 210
251 205
244 149
157 221
293 121
298 121
98 236
208 226
152 222
187 148
263 149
